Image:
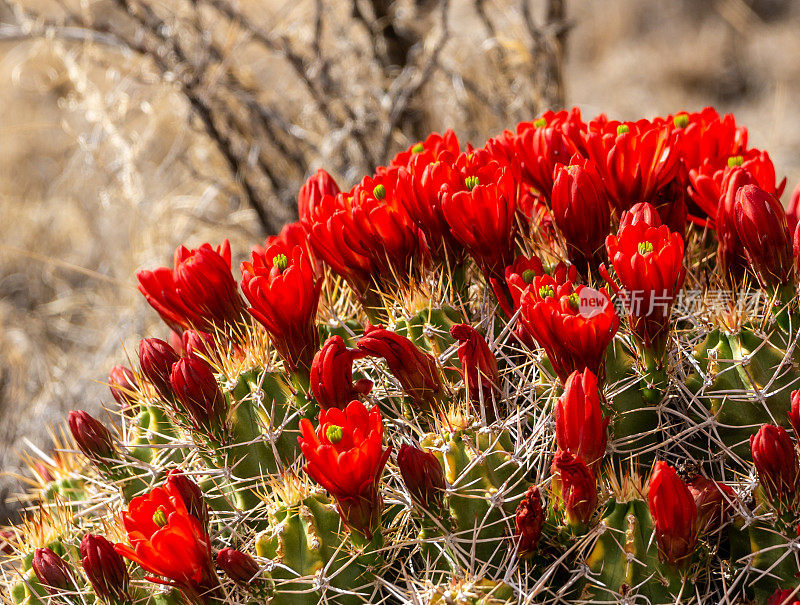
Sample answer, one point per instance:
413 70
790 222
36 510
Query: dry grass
103 168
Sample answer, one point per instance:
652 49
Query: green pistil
418 148
540 123
471 182
379 192
334 433
574 301
735 160
527 276
645 247
160 517
681 120
622 129
280 261
546 291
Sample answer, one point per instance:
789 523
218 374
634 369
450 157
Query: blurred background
131 126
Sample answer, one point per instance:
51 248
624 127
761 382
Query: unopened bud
93 439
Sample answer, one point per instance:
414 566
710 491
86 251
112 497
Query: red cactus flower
122 384
573 324
578 488
52 571
581 210
199 292
649 263
318 185
238 566
93 439
105 568
518 277
168 542
428 150
198 394
422 474
414 368
776 462
332 375
156 358
674 514
367 236
635 159
481 218
714 503
479 366
528 522
541 146
762 229
346 457
283 291
580 426
705 137
430 180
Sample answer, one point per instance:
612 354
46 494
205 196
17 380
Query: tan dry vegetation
105 167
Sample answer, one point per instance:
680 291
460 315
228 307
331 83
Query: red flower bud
730 254
528 522
580 427
332 375
573 324
674 514
642 212
762 229
714 503
422 475
578 487
414 368
581 210
122 383
156 359
479 367
198 393
105 568
283 290
190 493
776 462
93 439
311 193
52 571
199 292
238 566
794 413
199 343
346 457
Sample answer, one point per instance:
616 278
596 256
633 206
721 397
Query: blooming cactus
457 297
